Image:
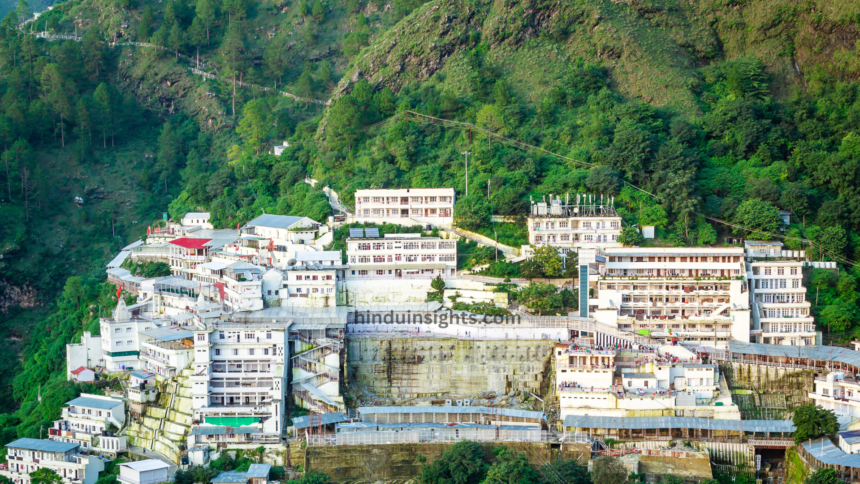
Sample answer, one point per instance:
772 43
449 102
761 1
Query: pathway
151 454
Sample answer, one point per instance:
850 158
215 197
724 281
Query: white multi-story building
86 418
88 353
166 351
25 456
781 313
695 295
240 376
186 254
394 256
406 206
834 392
311 282
120 336
199 219
280 230
586 223
243 286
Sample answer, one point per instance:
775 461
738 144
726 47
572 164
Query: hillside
722 110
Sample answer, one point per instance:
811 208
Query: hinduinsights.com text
442 320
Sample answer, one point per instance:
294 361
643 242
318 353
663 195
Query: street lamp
467 153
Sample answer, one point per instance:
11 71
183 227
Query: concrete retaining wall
400 462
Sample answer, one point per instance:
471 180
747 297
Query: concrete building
166 351
200 219
240 376
256 474
278 230
120 338
573 224
781 313
312 281
88 353
406 206
584 367
695 296
243 286
396 256
83 374
150 471
849 441
835 392
86 418
25 456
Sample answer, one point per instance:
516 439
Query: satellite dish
291 262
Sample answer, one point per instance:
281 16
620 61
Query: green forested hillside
722 110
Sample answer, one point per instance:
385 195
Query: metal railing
433 435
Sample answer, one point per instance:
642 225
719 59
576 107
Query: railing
431 435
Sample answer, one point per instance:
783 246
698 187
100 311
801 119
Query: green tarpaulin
230 421
645 332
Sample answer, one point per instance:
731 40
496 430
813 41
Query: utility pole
467 153
497 244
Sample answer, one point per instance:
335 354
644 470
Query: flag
118 292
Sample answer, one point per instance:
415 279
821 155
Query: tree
832 241
653 215
472 212
206 13
462 463
104 108
541 297
318 11
707 235
490 118
823 475
438 284
233 53
569 471
312 477
757 219
175 39
838 317
255 124
45 476
794 198
196 36
56 95
510 467
354 42
28 189
812 421
93 48
606 470
629 151
549 260
305 82
630 236
145 21
603 179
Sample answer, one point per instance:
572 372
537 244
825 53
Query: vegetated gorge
693 115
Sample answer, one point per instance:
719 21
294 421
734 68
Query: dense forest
703 120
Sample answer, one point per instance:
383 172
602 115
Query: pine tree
196 36
206 14
145 22
318 11
104 105
175 39
233 52
93 48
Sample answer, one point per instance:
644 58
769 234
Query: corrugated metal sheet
119 259
324 419
43 445
813 352
507 412
220 430
99 403
259 470
638 423
824 450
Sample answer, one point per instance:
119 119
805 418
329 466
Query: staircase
165 426
316 377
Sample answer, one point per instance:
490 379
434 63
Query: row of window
378 259
300 277
445 245
128 343
783 298
403 199
776 283
587 238
249 351
724 258
415 212
390 272
779 271
564 224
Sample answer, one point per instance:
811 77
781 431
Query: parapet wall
396 463
405 367
771 391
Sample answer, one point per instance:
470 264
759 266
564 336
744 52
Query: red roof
190 243
79 370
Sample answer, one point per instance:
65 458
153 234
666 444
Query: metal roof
164 334
595 422
221 430
432 425
637 375
44 445
146 465
324 419
196 215
259 470
142 374
275 221
215 266
133 245
91 402
507 412
307 255
119 259
813 352
231 476
824 450
851 436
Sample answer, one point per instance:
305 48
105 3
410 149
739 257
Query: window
221 335
235 352
563 224
298 278
251 352
129 343
201 337
362 273
128 330
119 343
265 351
117 330
615 225
380 273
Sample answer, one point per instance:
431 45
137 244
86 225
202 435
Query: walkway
151 454
508 250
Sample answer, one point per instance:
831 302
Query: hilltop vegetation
722 109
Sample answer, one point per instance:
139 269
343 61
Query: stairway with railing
165 426
313 374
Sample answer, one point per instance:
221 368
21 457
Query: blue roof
99 403
259 470
275 221
142 374
851 436
43 445
324 419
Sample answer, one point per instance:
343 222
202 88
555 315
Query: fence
434 436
